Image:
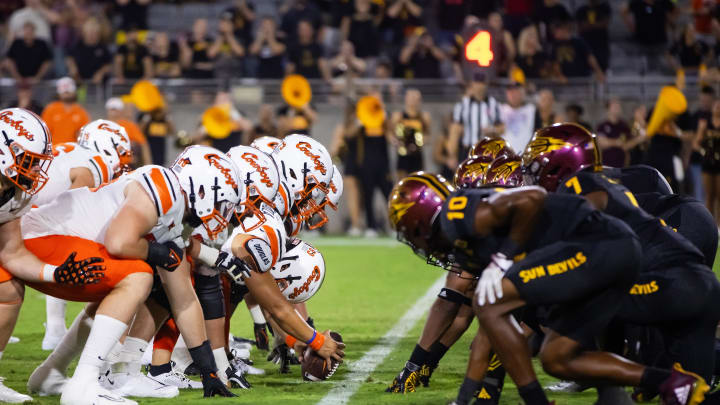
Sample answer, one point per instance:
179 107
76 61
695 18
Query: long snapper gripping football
314 367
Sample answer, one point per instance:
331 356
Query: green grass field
367 289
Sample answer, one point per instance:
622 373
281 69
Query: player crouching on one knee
135 223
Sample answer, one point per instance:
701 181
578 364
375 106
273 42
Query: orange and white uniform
77 220
67 157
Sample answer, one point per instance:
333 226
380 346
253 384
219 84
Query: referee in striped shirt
475 117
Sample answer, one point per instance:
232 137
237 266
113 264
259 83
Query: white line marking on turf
361 369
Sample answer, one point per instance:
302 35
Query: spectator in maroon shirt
613 136
517 15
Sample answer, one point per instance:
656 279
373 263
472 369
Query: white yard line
361 369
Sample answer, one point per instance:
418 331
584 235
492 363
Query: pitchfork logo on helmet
266 144
491 147
414 205
210 182
306 168
110 140
300 272
260 178
471 171
25 149
504 171
557 151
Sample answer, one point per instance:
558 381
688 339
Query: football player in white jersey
103 148
135 223
25 156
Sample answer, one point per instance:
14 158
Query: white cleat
50 341
79 392
45 381
11 396
14 339
177 379
565 386
140 385
245 368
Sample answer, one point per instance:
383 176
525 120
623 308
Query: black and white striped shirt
475 115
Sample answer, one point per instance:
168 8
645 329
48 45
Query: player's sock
419 356
222 363
161 369
533 394
257 314
131 356
55 309
467 391
103 335
653 377
72 343
437 351
494 380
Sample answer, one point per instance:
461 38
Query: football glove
407 380
489 288
167 255
234 267
282 356
79 272
213 386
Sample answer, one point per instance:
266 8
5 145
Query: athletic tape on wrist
208 255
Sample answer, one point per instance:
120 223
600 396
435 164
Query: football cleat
641 395
177 379
83 392
237 379
683 388
425 374
613 395
11 396
50 341
407 381
284 357
141 385
245 368
46 381
14 339
566 387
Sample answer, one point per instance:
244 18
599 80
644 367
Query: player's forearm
24 265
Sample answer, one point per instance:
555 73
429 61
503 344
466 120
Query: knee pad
210 294
158 294
455 297
237 293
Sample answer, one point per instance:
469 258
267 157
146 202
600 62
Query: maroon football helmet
557 151
506 170
471 171
413 207
492 147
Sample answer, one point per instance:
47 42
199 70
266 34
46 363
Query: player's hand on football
489 288
213 386
331 349
79 272
299 348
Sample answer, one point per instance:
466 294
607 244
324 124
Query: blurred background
389 86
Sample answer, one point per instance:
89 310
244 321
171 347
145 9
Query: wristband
317 342
208 255
48 273
309 342
290 341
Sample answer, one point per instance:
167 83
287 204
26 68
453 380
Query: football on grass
314 367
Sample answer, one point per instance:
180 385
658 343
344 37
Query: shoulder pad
162 185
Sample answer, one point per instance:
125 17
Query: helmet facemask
29 172
217 220
250 208
309 203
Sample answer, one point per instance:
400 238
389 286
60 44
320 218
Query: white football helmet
110 140
336 189
306 167
210 180
261 179
300 272
266 144
25 149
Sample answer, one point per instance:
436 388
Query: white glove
489 288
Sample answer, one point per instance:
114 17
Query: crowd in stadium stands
92 41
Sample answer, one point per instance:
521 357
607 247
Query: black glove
79 272
261 336
234 267
167 255
281 356
213 386
407 380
